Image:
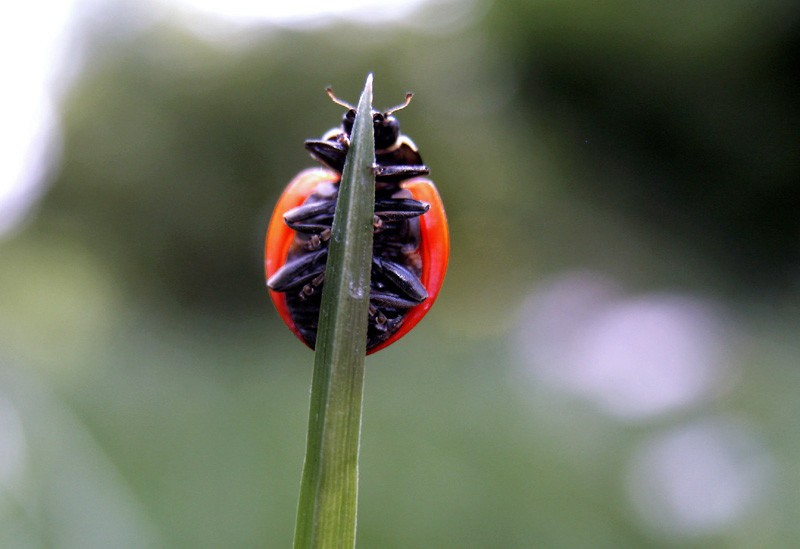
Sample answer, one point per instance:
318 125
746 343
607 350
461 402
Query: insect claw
313 243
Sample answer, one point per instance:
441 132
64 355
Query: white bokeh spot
698 479
633 357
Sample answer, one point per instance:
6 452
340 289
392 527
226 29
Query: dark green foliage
683 120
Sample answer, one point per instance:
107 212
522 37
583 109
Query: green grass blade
326 514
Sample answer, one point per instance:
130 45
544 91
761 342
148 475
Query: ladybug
410 234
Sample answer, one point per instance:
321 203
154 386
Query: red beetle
410 239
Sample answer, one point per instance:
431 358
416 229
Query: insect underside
395 285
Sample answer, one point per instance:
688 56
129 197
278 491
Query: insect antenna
338 101
402 105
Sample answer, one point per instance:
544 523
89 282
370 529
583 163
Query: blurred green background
614 357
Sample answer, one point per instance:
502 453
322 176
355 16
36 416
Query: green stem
326 512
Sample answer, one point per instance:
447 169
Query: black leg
402 278
298 272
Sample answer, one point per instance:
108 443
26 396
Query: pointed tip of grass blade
349 260
365 101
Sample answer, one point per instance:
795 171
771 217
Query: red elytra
434 246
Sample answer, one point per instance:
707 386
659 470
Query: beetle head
386 126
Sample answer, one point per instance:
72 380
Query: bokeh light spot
633 357
698 479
